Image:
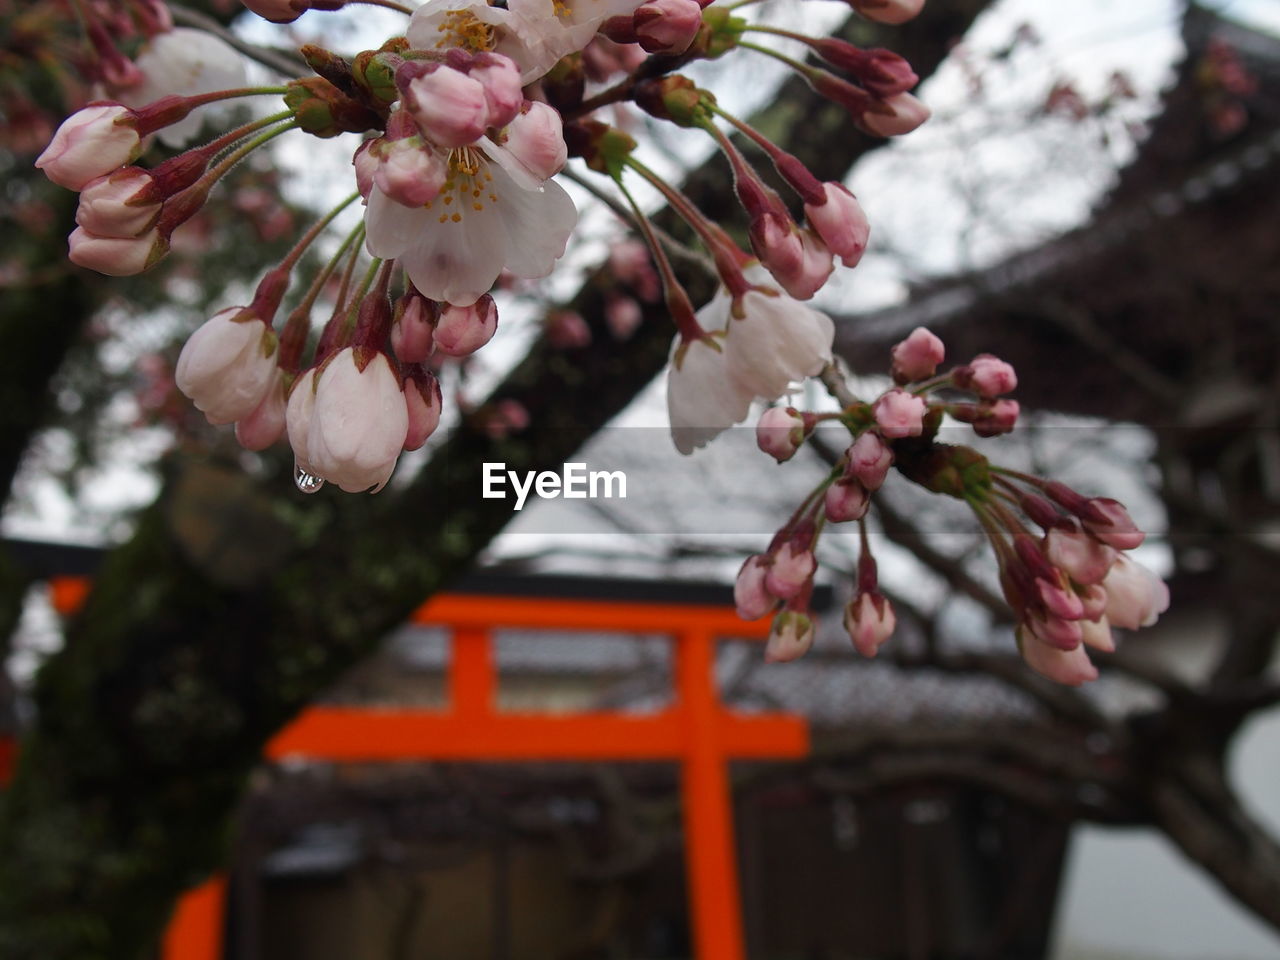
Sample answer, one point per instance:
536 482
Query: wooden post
196 930
710 859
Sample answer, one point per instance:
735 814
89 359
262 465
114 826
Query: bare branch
281 61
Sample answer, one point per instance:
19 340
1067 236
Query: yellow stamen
461 28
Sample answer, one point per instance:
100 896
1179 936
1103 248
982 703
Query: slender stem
1027 478
934 383
728 258
223 166
334 335
752 191
199 100
313 292
777 31
792 63
674 246
340 302
767 145
229 138
182 206
677 299
309 237
620 91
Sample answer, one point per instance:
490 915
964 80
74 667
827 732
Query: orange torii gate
697 731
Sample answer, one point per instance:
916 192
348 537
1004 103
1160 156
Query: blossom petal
538 225
392 228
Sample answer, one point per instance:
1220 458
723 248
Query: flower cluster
1068 586
464 122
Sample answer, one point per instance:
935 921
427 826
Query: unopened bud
780 432
117 256
423 403
790 637
894 116
667 26
870 621
461 331
846 499
917 357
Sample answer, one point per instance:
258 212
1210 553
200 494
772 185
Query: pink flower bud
408 171
461 331
1085 559
536 139
895 115
816 264
790 637
917 357
1135 595
777 243
265 425
228 365
846 499
365 164
277 11
500 78
91 143
424 404
779 432
899 414
791 569
888 11
412 331
116 256
996 419
1110 522
870 620
449 107
986 376
1069 667
869 460
750 595
118 205
840 223
883 72
667 26
359 422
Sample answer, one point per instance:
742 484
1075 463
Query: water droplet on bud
307 482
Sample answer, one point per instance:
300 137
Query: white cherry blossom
779 341
534 33
186 62
490 216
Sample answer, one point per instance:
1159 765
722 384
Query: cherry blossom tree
466 120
